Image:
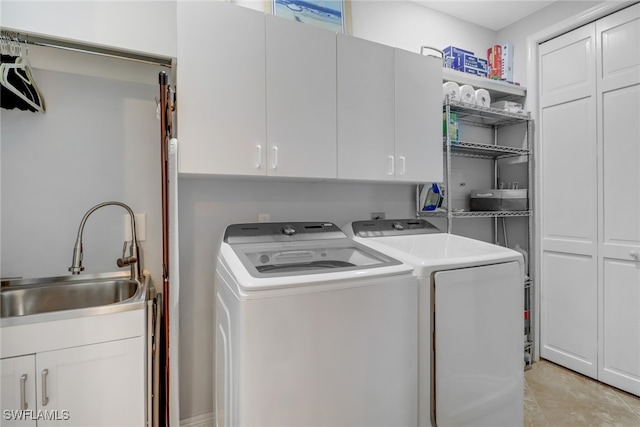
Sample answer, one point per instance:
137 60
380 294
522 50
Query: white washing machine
313 329
471 322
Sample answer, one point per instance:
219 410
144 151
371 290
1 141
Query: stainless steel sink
37 296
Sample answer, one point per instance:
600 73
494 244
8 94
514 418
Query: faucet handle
123 261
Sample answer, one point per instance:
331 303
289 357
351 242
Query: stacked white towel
468 94
452 90
483 98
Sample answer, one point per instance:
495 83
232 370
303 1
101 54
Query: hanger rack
81 47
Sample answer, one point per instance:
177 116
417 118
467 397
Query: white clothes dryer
471 322
312 329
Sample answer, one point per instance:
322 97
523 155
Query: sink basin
28 297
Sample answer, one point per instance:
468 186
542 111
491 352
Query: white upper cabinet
259 99
389 113
301 100
418 117
366 110
136 26
262 95
221 89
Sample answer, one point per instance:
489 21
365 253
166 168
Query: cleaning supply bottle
433 199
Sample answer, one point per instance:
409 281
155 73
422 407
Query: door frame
533 105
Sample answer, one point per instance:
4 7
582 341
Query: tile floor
557 397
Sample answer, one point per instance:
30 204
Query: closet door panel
568 311
621 174
569 184
618 87
301 99
569 201
619 41
221 89
621 325
567 65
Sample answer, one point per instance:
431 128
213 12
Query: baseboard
204 420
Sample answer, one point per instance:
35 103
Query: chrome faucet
133 259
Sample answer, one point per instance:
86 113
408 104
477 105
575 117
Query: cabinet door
18 391
418 106
99 385
365 110
569 201
221 89
301 99
618 40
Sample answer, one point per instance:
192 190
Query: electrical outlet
377 215
264 217
141 227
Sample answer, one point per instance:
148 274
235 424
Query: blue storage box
475 62
474 71
457 55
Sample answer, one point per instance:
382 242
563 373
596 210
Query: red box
494 57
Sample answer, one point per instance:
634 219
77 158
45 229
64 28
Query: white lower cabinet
93 385
18 392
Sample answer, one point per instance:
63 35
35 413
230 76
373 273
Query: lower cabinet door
94 385
18 391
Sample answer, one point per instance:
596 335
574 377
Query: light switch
141 227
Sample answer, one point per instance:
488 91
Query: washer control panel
281 232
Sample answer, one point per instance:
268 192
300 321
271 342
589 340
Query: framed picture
334 15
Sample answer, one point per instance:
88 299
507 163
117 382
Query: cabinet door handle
403 163
45 397
391 165
275 158
258 156
23 392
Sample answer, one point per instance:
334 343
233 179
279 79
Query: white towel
452 89
468 94
483 98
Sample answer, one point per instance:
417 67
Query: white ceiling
494 15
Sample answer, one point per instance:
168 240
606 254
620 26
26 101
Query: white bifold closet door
618 86
590 199
569 201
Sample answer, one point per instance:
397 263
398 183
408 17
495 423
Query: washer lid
391 227
278 259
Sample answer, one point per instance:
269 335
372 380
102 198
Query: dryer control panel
392 227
